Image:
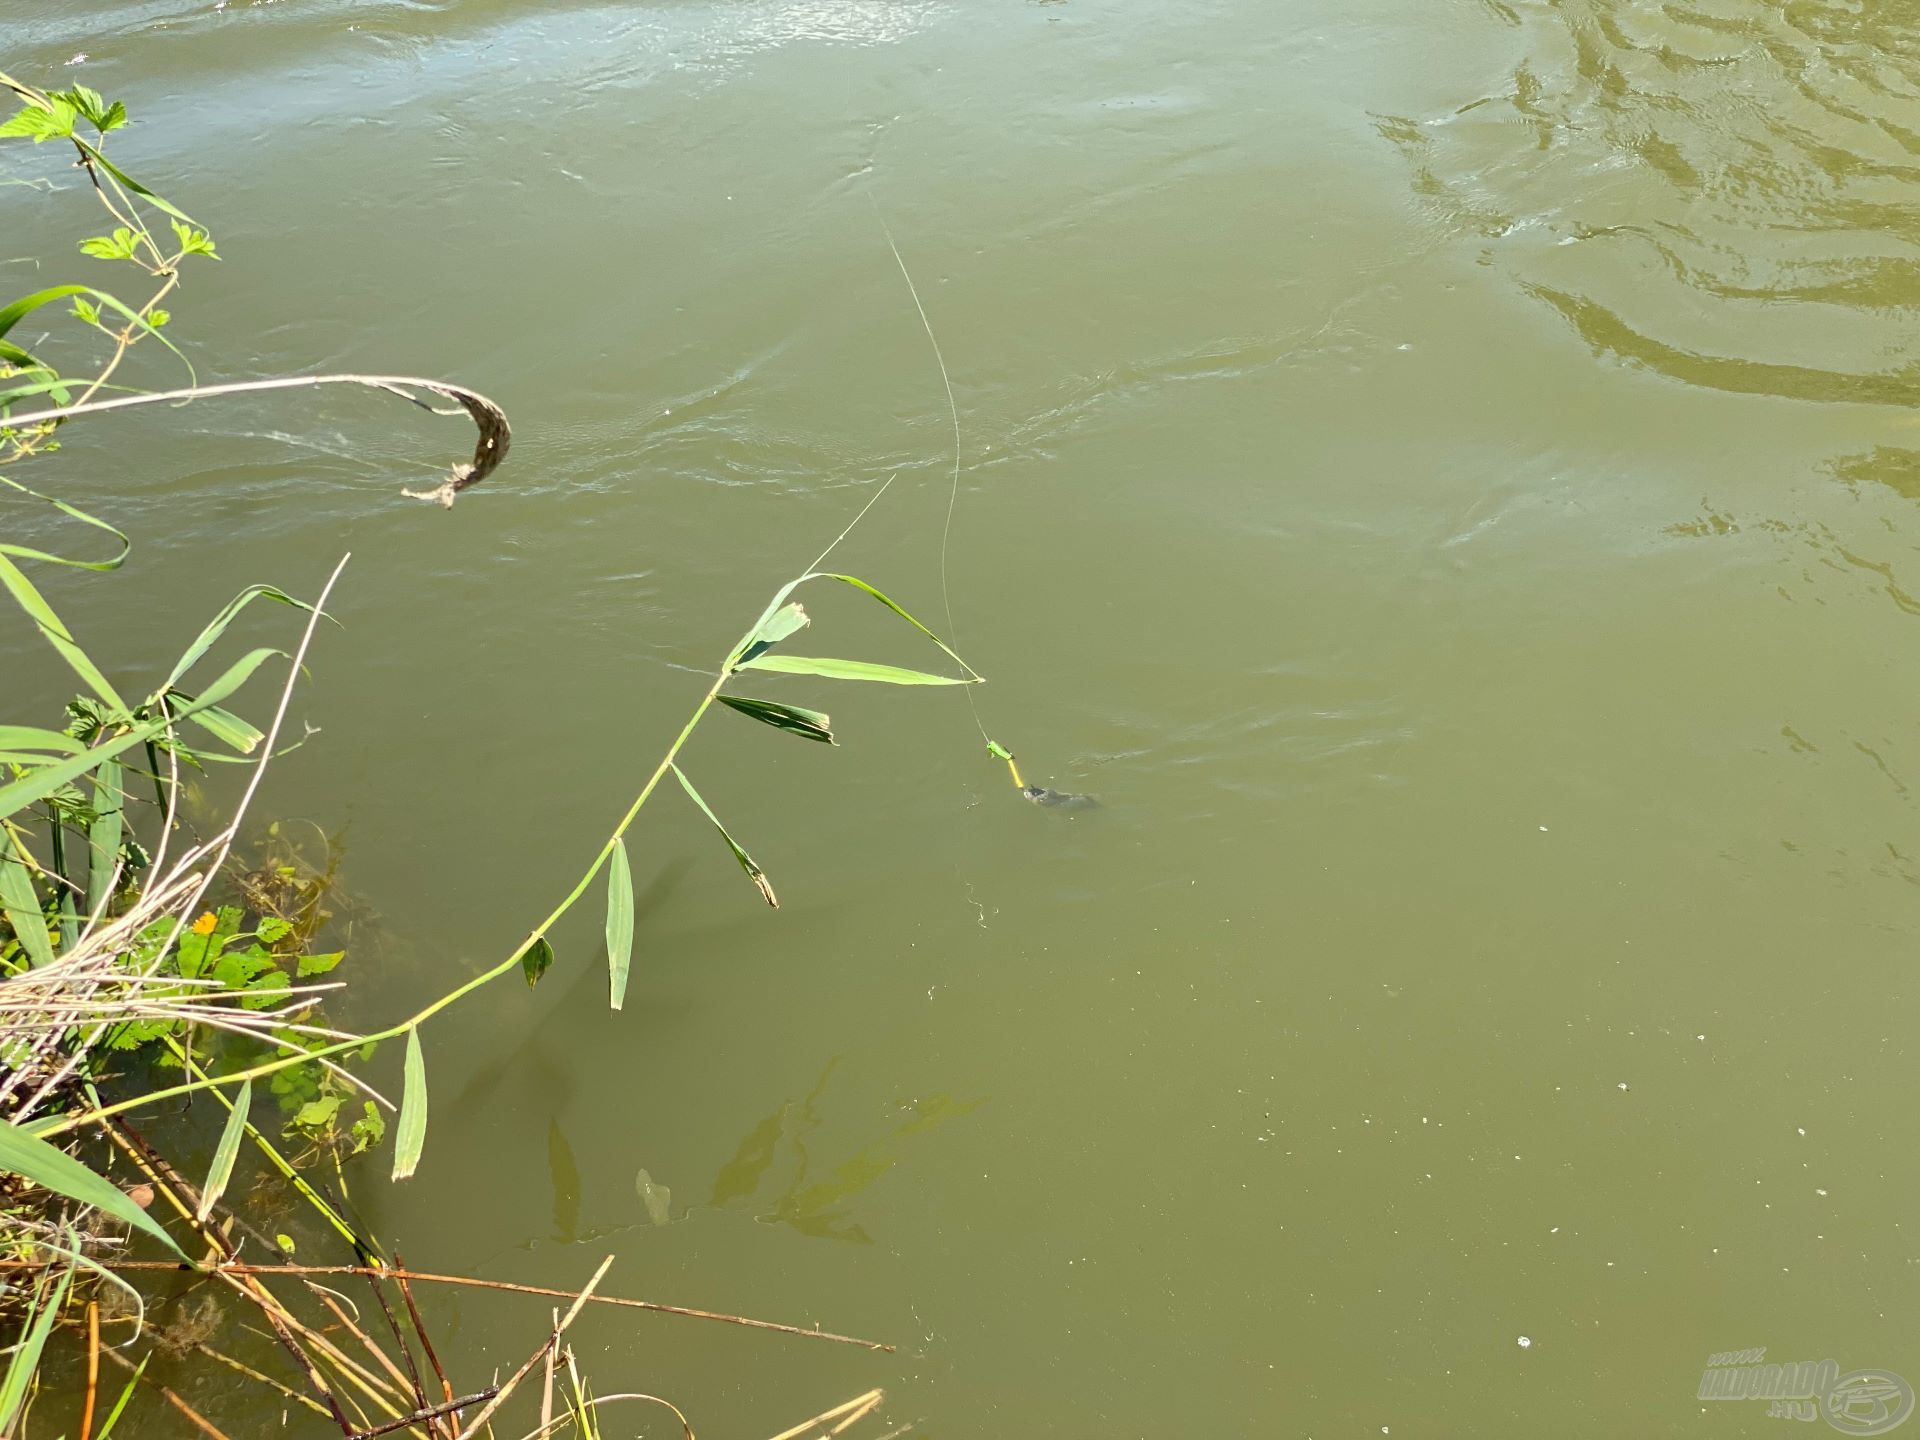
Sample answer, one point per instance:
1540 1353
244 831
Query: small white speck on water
1819 1192
1554 1231
1699 1037
1543 829
1526 1342
1623 1085
79 59
1799 1130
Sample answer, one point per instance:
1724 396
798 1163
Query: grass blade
775 628
807 724
223 725
73 512
26 1357
849 670
113 1415
410 1133
217 627
224 1153
20 903
26 737
619 922
104 836
898 609
754 872
51 1168
41 613
38 784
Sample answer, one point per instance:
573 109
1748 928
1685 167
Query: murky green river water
1444 473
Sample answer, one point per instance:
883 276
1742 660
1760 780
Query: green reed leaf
849 670
51 1168
221 1171
776 627
20 903
536 960
619 923
754 872
808 724
410 1134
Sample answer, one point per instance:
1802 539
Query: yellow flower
204 925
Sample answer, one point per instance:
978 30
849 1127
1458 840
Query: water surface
1444 475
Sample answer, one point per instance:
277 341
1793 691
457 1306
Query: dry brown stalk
850 1413
471 1282
546 1346
432 1413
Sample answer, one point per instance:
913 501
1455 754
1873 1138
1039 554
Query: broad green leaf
898 609
273 930
103 836
536 960
41 613
311 965
43 1310
619 923
41 122
20 903
848 670
410 1134
775 628
221 1171
808 724
754 872
19 794
51 1168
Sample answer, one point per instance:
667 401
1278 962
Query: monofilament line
953 408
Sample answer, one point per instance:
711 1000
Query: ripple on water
1726 192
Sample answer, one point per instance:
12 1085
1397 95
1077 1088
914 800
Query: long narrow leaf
221 1171
113 1415
807 724
619 923
104 836
27 552
776 627
849 670
13 314
754 872
51 1168
20 903
18 794
26 1357
30 600
217 626
898 609
27 737
226 727
410 1133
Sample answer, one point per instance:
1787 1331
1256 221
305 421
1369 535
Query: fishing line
1040 795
